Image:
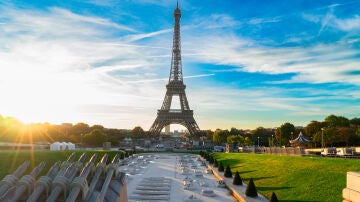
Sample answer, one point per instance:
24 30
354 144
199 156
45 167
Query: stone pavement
238 190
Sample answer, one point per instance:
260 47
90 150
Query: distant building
196 142
127 140
106 145
167 130
176 133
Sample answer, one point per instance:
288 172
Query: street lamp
258 141
280 138
272 140
322 138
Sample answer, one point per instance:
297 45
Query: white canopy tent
60 146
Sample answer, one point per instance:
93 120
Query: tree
114 141
228 172
331 135
95 138
100 127
237 179
234 131
137 132
355 122
248 141
263 134
220 136
346 134
283 133
251 189
80 128
235 140
313 127
333 121
209 134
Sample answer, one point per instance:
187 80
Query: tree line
335 131
12 130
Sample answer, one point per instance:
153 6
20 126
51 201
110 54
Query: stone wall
352 191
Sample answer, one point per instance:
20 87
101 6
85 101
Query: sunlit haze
245 63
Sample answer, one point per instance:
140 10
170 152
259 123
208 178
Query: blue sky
246 63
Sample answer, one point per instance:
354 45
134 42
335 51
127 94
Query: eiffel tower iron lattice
175 87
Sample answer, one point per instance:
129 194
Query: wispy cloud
256 21
136 37
106 3
319 63
220 21
165 79
331 20
93 20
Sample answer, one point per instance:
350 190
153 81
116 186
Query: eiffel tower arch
175 87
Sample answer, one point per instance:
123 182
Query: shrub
237 179
228 172
221 167
251 189
216 163
211 159
273 198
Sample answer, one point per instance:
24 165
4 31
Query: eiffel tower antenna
175 86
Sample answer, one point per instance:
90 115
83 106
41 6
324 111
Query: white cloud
136 37
221 106
331 20
348 24
163 3
256 21
105 3
54 62
319 63
214 21
68 15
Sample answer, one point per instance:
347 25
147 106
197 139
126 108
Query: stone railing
352 191
275 150
67 181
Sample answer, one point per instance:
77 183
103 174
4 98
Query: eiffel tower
175 87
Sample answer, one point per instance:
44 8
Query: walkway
171 177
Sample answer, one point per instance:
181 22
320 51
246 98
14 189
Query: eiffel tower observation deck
175 87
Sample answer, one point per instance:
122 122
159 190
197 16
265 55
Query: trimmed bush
251 189
221 167
228 172
273 198
237 179
215 163
211 159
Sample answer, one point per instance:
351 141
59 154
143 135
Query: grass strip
293 178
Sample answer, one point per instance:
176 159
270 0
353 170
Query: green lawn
10 160
293 178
